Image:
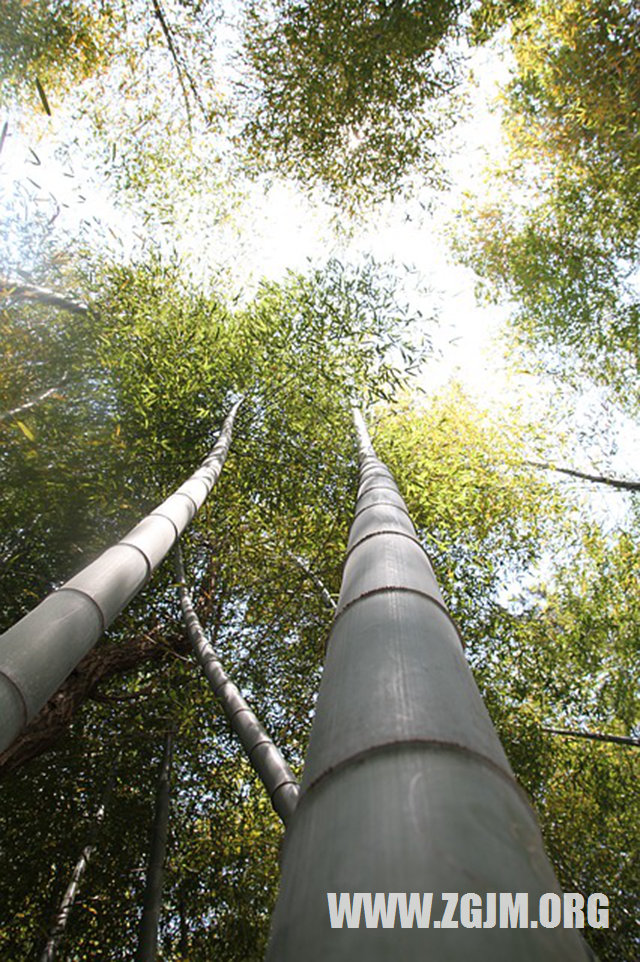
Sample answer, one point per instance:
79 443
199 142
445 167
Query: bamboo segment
406 787
41 650
152 902
265 757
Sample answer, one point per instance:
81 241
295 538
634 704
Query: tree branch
317 581
180 67
594 736
620 483
159 15
30 292
301 563
117 699
13 412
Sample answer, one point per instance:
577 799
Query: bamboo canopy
406 787
41 650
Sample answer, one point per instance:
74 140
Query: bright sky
281 229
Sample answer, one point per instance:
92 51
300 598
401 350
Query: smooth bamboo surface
263 754
406 787
43 648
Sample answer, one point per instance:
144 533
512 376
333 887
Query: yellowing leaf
28 433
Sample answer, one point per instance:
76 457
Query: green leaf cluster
561 237
53 44
339 95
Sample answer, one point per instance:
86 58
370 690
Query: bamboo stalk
27 405
152 901
406 787
31 292
264 756
41 650
317 581
622 484
69 897
594 736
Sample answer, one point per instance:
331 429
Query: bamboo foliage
265 757
40 650
406 787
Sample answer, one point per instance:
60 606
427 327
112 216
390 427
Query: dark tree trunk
98 667
152 902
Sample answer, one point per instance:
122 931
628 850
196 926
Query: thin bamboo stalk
31 292
27 405
60 923
595 736
265 757
41 650
623 484
152 901
406 787
317 581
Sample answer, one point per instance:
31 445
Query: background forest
214 191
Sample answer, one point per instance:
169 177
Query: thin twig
621 483
595 736
6 415
43 97
160 17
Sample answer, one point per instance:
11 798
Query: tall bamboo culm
40 650
406 787
265 757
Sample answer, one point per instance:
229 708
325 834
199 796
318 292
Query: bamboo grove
293 426
281 618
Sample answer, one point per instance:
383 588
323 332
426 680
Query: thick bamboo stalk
69 897
41 650
406 787
265 757
152 902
